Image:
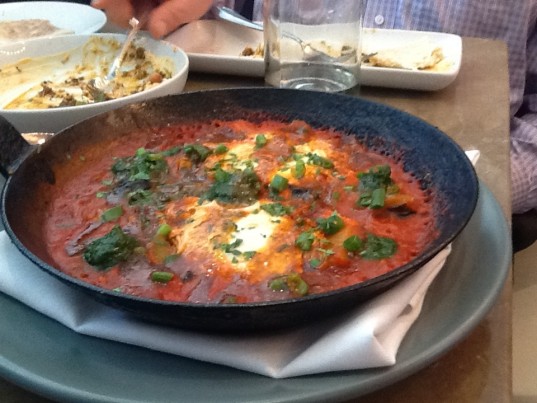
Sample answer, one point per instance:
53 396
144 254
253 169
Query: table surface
474 111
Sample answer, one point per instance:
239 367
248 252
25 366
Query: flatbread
25 29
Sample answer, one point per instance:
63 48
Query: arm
524 135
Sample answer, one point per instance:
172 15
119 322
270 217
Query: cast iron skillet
430 155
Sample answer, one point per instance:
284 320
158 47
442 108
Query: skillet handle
13 148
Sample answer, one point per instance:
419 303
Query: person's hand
164 16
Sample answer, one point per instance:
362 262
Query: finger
173 13
118 12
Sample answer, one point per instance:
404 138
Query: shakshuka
234 212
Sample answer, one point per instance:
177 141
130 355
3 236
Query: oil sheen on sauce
234 212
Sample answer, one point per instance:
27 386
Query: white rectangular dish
216 47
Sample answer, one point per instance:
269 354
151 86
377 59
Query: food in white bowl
46 82
29 28
22 20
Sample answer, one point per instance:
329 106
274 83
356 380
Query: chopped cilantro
109 250
232 247
305 240
377 247
373 186
276 209
144 165
316 159
197 152
240 186
331 224
352 243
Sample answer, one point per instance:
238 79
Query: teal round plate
47 358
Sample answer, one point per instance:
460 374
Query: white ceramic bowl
74 17
54 119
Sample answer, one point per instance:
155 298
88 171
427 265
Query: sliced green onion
171 151
161 276
377 198
112 214
260 140
278 183
292 282
164 230
300 169
278 284
220 149
297 284
316 159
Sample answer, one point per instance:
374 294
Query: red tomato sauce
323 213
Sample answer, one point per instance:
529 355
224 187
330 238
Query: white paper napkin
368 336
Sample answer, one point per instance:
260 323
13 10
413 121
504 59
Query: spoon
102 84
310 53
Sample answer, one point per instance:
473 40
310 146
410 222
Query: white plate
78 18
215 47
54 119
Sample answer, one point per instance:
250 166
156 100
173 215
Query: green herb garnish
140 197
240 186
109 250
161 276
300 169
112 214
260 141
316 159
171 151
276 209
197 152
220 149
305 240
291 282
164 230
331 224
232 247
278 183
352 243
144 165
377 247
315 263
373 186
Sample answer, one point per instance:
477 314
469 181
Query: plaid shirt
514 22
